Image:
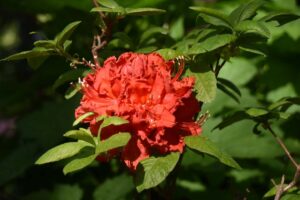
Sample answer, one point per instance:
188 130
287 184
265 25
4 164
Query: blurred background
34 115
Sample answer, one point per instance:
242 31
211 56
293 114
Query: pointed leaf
235 117
61 152
72 91
66 33
256 112
35 52
212 43
114 141
228 92
82 117
205 86
114 120
47 44
80 161
109 10
168 54
143 11
245 11
204 145
251 50
273 190
152 171
253 27
215 14
108 3
288 101
81 134
230 85
280 17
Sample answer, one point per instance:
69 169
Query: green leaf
47 44
69 76
81 134
108 3
256 112
82 117
228 92
72 90
251 50
212 43
113 120
235 117
245 11
220 18
109 191
80 161
206 84
280 17
66 33
230 85
273 190
152 171
177 28
168 54
285 103
35 52
61 152
109 10
143 11
253 27
114 141
204 145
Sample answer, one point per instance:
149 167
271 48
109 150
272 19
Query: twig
280 189
219 67
280 142
296 178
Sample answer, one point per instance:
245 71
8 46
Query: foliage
243 57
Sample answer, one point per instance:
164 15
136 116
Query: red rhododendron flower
140 88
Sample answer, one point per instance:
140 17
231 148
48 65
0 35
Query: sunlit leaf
113 120
61 152
204 145
114 141
82 117
108 3
80 161
119 10
256 112
143 11
81 134
152 171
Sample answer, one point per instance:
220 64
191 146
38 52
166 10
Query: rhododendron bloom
140 88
